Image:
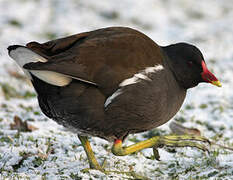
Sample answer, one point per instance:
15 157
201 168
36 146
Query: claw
156 153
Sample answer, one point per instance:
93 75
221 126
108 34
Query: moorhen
112 82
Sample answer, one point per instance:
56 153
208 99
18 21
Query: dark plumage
98 61
112 82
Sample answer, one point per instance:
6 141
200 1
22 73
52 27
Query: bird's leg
90 154
160 141
95 165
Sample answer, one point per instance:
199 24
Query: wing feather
103 57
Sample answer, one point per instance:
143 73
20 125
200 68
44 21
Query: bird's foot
160 141
181 141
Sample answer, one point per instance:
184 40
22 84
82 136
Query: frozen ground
51 152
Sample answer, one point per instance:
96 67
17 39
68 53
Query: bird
112 82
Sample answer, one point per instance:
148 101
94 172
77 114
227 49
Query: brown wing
105 56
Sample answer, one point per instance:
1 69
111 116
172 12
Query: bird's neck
169 63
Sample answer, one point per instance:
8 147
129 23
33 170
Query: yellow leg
159 141
95 165
90 154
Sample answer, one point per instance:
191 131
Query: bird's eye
190 63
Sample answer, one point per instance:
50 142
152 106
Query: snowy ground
51 152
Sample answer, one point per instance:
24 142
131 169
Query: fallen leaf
42 156
22 126
179 129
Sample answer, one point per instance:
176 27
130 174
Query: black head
188 65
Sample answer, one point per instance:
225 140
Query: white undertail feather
143 75
23 55
53 78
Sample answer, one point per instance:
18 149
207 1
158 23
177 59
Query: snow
206 24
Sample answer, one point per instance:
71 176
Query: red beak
207 76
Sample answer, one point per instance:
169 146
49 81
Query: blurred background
207 24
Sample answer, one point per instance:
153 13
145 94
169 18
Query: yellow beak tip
216 83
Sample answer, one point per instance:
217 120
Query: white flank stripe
110 98
142 75
153 69
129 81
136 78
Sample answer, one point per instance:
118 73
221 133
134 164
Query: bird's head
187 63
